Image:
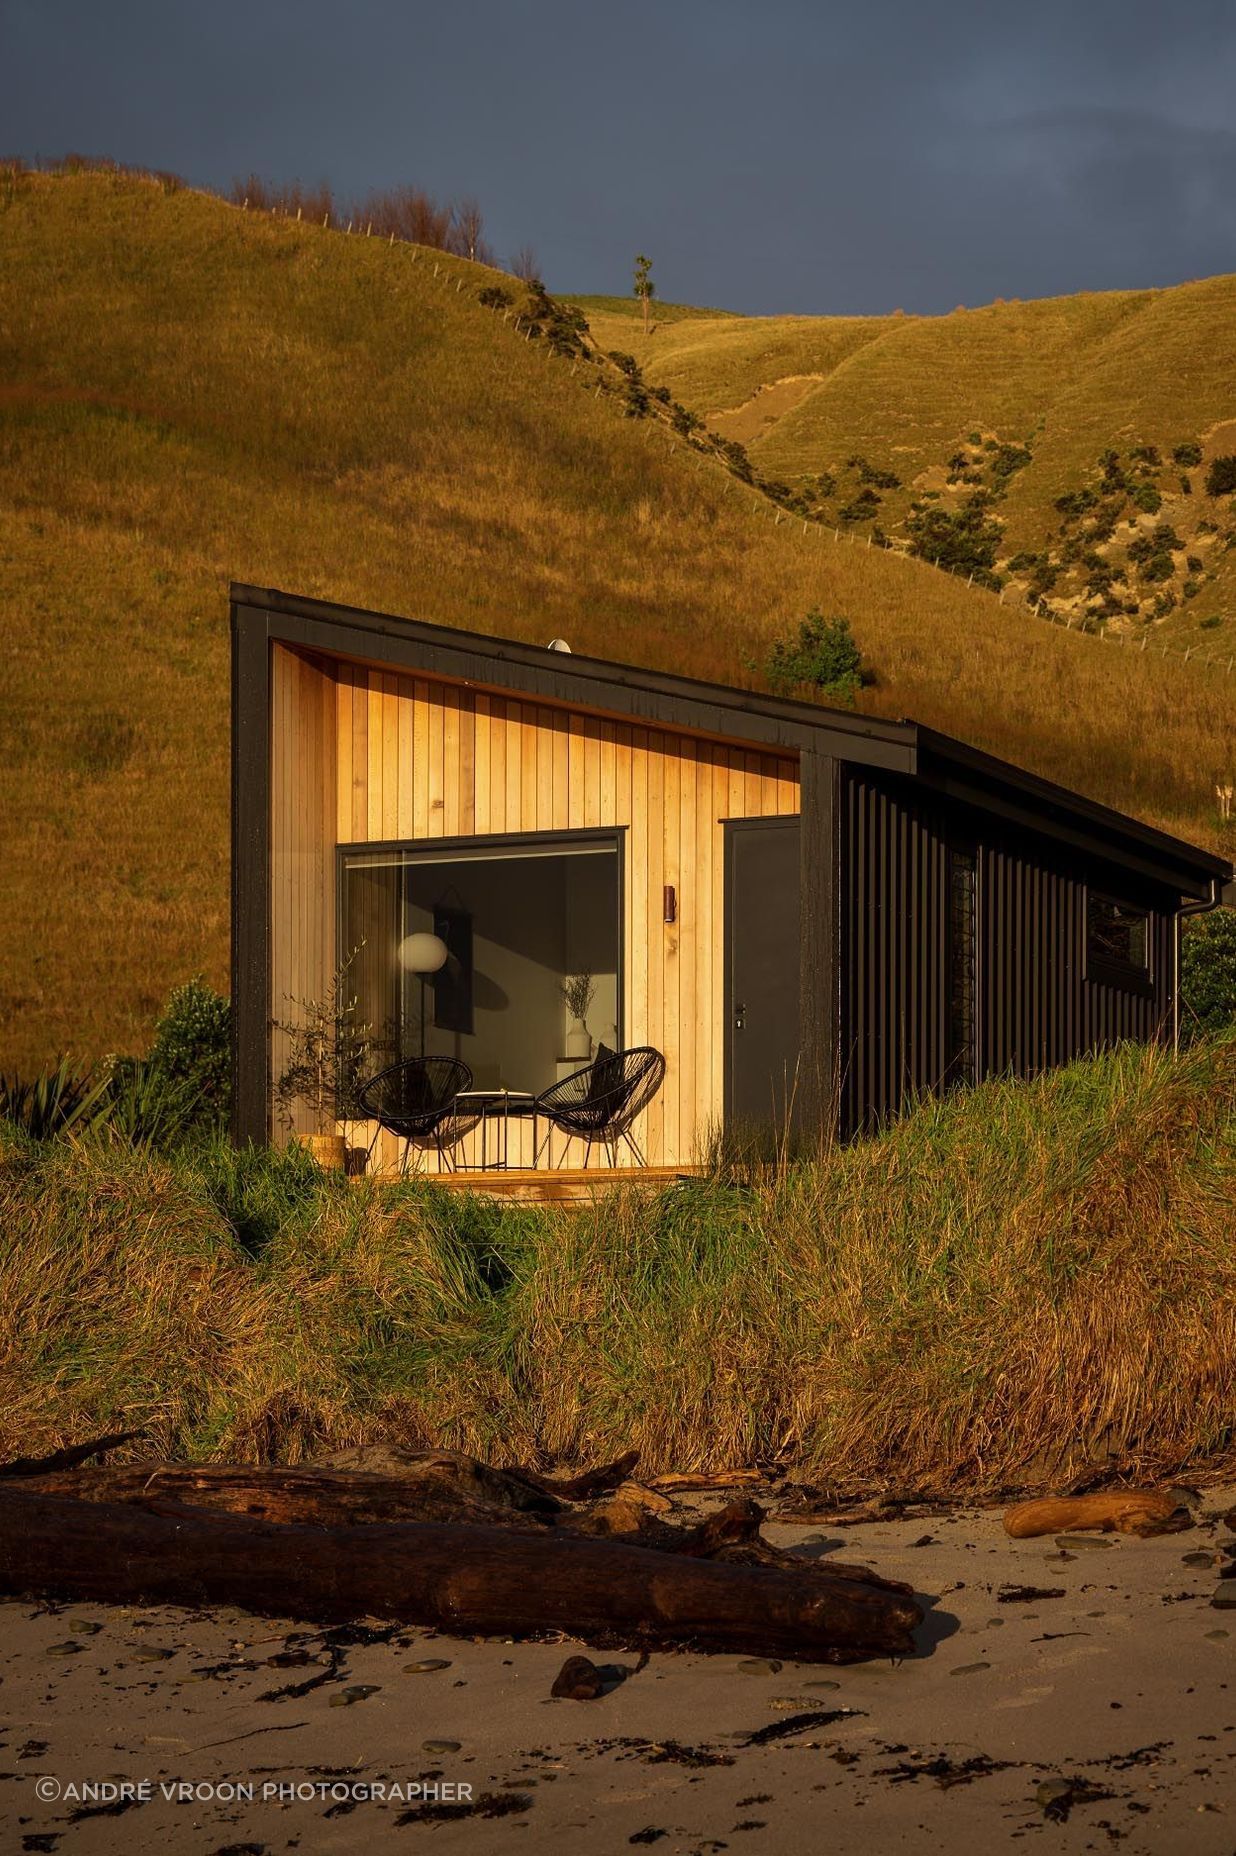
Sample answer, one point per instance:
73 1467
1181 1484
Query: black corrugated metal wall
1035 1006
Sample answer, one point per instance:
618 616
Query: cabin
811 915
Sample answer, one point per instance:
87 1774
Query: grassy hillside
1045 1272
930 401
190 393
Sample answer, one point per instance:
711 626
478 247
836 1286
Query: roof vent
559 644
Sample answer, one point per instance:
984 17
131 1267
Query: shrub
1159 566
1191 589
736 457
145 1107
1146 498
635 400
626 363
495 297
872 474
193 1045
1221 477
1208 973
683 421
1113 471
1146 454
52 1103
862 508
1188 456
1009 459
1076 502
965 541
1210 624
823 655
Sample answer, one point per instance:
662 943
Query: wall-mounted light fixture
669 902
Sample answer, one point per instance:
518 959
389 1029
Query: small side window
1117 942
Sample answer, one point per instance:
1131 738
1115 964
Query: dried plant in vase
578 992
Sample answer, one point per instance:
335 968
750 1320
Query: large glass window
517 920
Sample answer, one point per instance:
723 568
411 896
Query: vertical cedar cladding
1034 1004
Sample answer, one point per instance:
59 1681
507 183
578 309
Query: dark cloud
790 154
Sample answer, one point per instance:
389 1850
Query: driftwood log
1121 1511
469 1580
440 1540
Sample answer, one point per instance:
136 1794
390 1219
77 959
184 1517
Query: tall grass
1009 1287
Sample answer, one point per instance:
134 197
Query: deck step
560 1185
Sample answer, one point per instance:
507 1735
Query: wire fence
1081 624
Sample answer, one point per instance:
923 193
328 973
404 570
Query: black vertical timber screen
819 982
1033 1006
250 875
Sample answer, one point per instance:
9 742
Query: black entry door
761 968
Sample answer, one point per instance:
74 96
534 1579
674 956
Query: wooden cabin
811 914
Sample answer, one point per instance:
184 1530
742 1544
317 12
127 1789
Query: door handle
740 1018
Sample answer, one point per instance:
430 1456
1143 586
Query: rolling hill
1081 428
191 393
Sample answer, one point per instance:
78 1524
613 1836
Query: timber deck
558 1185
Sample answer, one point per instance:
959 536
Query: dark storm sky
781 156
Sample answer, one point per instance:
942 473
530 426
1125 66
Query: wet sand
1105 1716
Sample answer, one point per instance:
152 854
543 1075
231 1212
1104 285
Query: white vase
579 1041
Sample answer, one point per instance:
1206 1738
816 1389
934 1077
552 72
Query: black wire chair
416 1100
600 1104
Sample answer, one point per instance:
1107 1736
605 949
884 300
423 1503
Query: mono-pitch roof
659 699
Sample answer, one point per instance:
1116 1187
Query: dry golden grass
1010 1288
1070 375
191 394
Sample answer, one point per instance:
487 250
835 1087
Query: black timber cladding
880 801
1035 1004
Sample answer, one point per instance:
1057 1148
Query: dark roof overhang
657 699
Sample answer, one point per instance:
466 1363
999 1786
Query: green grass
191 394
1010 1287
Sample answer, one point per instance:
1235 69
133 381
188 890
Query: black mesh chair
601 1102
417 1100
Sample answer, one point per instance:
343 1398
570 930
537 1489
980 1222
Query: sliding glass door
463 949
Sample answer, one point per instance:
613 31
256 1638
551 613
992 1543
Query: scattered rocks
1069 1543
65 1649
760 1666
1205 1557
427 1666
578 1680
151 1653
441 1746
85 1627
360 1691
1225 1595
1054 1797
1026 1594
969 1669
1057 1796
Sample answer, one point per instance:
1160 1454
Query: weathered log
680 1483
292 1497
466 1580
310 1497
592 1482
444 1469
67 1459
1122 1511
